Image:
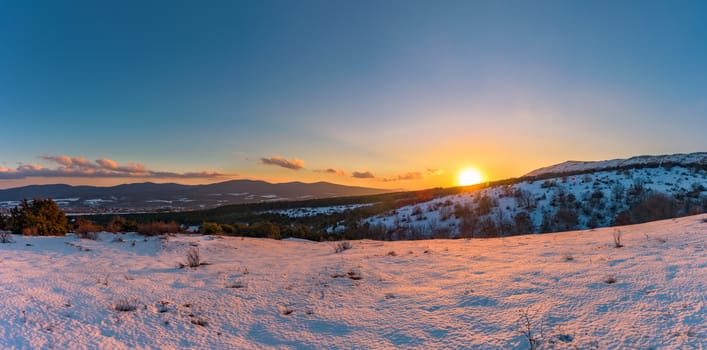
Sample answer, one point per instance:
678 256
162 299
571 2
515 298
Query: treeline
260 220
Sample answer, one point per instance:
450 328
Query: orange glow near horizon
469 176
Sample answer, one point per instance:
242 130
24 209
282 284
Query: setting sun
468 177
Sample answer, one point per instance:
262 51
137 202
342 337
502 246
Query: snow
579 166
60 292
314 211
430 215
97 201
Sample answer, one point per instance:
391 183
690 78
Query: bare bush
125 305
534 339
354 275
193 257
617 239
199 321
341 246
236 285
286 310
87 229
88 235
6 237
162 306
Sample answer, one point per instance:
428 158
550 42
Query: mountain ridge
573 166
149 195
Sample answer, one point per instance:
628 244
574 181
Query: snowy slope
578 166
266 294
596 200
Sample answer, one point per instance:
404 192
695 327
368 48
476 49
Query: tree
210 228
40 217
120 224
523 223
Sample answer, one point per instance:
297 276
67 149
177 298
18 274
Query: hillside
597 199
574 167
590 198
170 196
577 290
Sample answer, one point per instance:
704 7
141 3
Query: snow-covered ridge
545 205
580 166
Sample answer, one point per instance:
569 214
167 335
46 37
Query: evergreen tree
40 217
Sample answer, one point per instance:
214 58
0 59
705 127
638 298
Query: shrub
264 229
617 239
85 228
6 237
341 246
157 228
286 310
354 275
193 257
40 217
199 321
125 305
120 224
230 229
210 228
534 339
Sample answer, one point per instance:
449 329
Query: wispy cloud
434 172
105 168
293 164
331 171
403 177
363 175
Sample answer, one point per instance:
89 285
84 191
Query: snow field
295 294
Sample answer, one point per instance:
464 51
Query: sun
468 177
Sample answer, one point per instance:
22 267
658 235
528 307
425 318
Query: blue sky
402 94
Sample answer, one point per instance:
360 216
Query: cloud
406 176
107 163
103 167
331 171
294 163
434 172
363 175
63 160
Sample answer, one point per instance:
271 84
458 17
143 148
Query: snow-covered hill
592 200
578 166
577 290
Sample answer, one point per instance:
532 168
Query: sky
386 94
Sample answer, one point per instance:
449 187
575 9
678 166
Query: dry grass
193 257
341 246
617 239
125 305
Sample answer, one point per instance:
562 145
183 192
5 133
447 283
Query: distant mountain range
170 196
570 167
